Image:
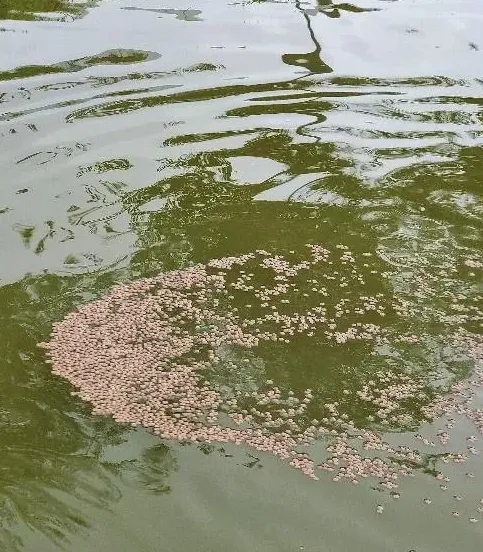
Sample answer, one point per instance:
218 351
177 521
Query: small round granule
142 351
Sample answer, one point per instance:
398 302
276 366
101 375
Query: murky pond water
342 145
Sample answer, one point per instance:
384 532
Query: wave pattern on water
361 146
120 163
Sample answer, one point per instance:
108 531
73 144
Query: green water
140 138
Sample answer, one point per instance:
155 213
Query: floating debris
149 351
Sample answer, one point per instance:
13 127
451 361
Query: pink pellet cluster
142 354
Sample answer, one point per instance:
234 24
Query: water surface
142 137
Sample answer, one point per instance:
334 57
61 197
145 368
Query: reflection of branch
298 190
306 16
310 60
336 9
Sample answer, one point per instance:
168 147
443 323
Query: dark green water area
138 138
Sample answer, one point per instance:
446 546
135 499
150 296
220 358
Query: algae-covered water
147 137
